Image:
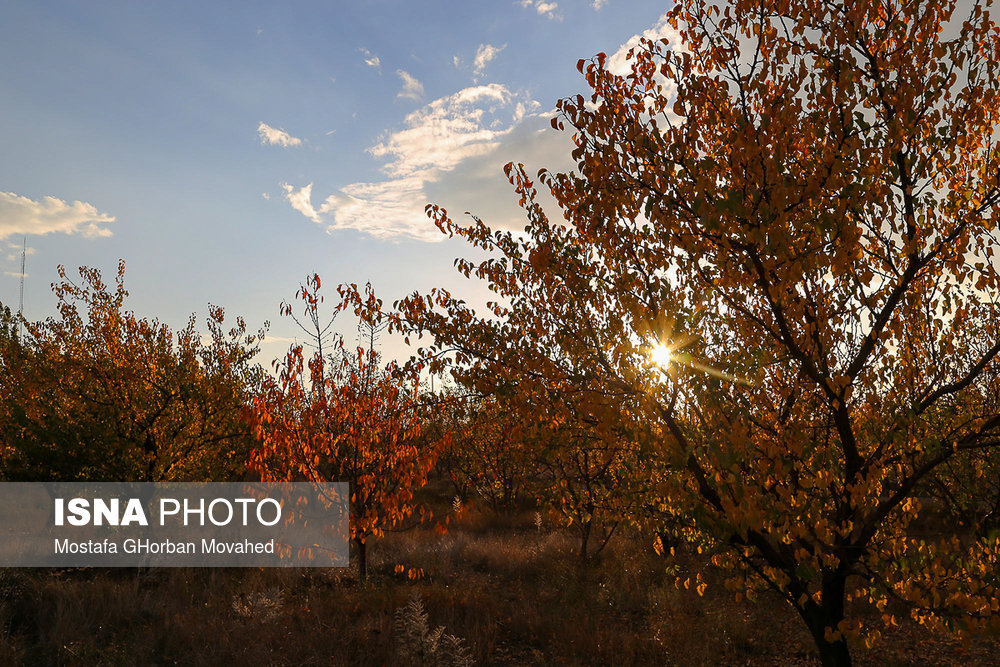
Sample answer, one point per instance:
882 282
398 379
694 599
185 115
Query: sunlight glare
661 356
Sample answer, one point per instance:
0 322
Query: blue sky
227 150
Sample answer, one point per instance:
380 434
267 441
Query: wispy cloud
412 89
546 9
301 200
21 215
451 150
274 136
271 340
618 62
14 251
484 54
371 60
446 131
598 4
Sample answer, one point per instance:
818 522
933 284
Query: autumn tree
591 473
343 416
8 326
795 204
539 355
11 358
488 459
98 393
527 442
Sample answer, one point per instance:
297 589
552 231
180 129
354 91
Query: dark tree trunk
828 614
362 559
584 540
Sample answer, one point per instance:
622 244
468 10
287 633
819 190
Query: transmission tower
20 298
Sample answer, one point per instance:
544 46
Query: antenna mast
20 299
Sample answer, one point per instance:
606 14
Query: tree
798 203
100 394
343 417
487 457
539 354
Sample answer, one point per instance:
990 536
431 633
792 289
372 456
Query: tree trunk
828 614
584 540
362 559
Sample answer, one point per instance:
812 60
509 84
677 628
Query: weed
419 645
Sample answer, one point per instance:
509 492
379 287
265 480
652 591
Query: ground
512 590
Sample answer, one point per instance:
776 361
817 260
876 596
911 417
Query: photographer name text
146 546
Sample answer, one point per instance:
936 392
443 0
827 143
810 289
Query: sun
661 356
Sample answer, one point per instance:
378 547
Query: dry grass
513 594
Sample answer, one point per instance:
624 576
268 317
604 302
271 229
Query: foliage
538 359
487 458
101 394
342 417
799 201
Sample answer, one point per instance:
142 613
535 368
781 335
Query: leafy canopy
798 200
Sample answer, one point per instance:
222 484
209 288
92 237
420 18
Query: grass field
511 593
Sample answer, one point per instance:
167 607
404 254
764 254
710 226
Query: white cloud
450 151
271 340
14 251
412 89
21 215
276 137
456 61
479 185
484 54
546 9
598 4
386 209
618 62
446 131
371 60
301 200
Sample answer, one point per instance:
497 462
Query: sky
226 151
